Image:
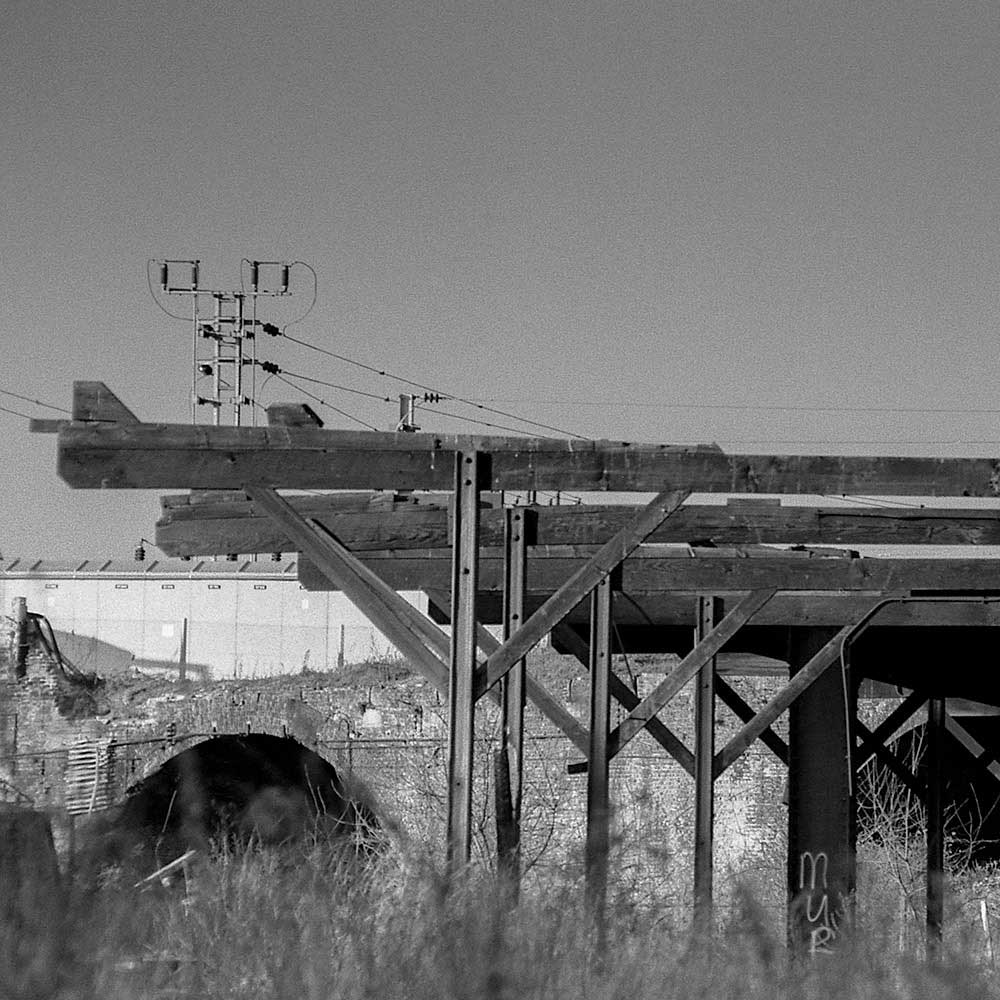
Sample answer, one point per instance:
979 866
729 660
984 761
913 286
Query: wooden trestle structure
594 576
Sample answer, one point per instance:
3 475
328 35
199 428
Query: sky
769 225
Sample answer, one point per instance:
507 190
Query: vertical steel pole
709 612
935 827
598 804
465 581
511 760
822 804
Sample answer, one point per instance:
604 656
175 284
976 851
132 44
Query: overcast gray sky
657 221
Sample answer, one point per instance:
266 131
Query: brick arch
258 784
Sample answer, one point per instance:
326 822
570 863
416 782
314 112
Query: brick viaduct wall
388 732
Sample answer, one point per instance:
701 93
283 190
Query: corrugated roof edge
154 569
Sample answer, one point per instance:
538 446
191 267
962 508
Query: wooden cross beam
889 726
735 703
978 751
625 696
578 585
180 456
639 717
416 636
200 527
891 761
772 711
660 570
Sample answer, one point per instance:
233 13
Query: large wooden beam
218 522
233 524
180 456
655 569
645 610
577 584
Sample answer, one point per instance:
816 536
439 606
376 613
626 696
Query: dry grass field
313 922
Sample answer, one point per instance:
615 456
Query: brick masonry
385 728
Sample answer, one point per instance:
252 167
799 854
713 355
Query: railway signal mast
224 336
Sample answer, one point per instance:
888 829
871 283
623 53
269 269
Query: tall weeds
316 923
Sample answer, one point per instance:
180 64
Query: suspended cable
342 388
3 409
309 267
37 402
323 402
426 388
162 307
763 407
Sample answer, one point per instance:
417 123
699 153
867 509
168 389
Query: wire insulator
254 274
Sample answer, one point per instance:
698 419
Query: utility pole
224 326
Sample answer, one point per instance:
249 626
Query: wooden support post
709 614
626 697
21 642
182 658
821 800
598 801
607 559
510 765
550 707
639 717
461 693
935 826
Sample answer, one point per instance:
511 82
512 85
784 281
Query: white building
204 618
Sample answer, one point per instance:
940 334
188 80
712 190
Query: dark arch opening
239 790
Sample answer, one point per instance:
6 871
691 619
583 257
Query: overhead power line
37 402
3 409
323 402
742 407
383 373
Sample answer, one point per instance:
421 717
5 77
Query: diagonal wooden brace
887 728
624 695
543 701
659 697
892 762
578 586
981 754
738 745
397 618
732 700
417 638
